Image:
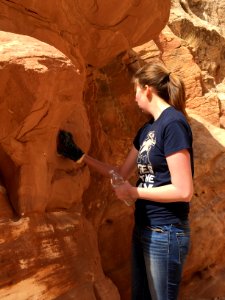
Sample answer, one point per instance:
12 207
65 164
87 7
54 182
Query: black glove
67 147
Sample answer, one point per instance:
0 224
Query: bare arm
103 168
180 189
69 149
129 164
97 165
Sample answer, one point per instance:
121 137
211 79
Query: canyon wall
69 64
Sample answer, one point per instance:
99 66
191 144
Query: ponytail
168 86
176 91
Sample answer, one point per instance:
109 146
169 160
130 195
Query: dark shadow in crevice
9 183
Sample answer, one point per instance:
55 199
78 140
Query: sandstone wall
64 234
206 42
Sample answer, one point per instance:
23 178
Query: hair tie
166 78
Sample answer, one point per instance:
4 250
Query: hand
124 192
67 147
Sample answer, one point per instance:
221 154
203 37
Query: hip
160 240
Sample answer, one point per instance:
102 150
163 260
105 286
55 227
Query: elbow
186 195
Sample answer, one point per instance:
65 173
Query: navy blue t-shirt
154 141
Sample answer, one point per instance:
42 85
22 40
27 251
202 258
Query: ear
148 92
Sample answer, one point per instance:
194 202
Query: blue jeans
158 254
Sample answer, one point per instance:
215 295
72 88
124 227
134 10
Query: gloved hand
67 147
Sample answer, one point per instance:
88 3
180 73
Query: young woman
162 152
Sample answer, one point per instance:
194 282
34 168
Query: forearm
125 170
166 193
100 167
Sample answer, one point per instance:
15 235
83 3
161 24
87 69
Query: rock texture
88 32
52 256
206 42
40 88
210 11
63 233
205 267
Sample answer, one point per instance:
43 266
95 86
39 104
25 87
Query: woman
162 151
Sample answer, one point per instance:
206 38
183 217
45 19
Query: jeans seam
178 248
168 259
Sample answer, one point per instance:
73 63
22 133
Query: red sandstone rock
88 32
41 90
54 253
50 256
189 21
205 267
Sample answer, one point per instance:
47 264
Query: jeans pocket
155 242
155 228
183 240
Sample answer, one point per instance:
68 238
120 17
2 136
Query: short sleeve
177 136
139 136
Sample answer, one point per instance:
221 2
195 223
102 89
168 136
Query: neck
158 107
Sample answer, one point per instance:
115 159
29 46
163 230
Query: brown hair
168 86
